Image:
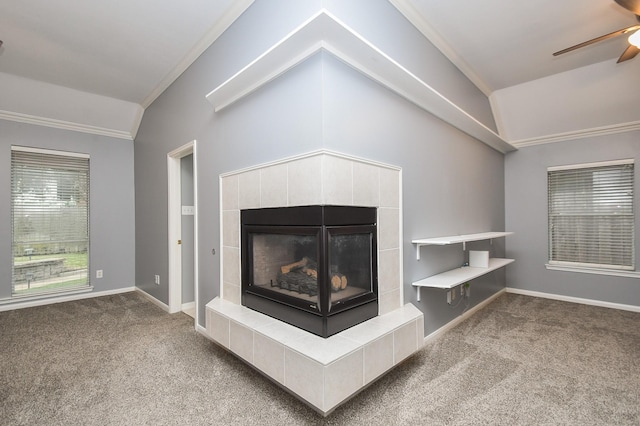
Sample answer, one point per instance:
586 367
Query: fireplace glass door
314 267
286 264
291 264
350 261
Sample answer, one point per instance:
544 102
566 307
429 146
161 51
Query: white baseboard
60 299
189 305
464 316
580 300
202 330
153 300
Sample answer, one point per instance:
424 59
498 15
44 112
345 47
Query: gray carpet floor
120 360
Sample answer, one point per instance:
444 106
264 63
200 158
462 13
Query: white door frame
175 226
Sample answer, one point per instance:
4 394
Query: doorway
183 226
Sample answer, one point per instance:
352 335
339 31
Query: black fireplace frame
320 221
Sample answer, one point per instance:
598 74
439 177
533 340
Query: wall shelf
455 277
456 239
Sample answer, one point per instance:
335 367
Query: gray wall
112 200
187 229
526 215
386 28
452 183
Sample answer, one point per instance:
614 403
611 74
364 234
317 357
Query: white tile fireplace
323 372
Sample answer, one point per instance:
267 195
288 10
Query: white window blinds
50 221
591 215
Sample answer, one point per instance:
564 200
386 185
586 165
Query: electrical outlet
99 273
157 279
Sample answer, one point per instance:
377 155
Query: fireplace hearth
322 372
314 267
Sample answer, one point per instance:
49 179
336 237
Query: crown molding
236 9
578 134
65 125
137 120
323 32
417 19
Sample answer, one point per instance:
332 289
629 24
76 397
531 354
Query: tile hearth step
322 372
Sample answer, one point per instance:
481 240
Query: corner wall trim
448 326
571 299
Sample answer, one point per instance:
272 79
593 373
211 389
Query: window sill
45 295
597 271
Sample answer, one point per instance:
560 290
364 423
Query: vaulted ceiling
123 49
132 50
503 43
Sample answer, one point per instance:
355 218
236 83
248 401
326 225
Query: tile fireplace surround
321 372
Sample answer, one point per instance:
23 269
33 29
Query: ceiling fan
634 31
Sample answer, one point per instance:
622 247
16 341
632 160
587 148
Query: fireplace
314 267
323 372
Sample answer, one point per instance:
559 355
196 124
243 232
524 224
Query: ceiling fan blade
632 5
597 39
629 53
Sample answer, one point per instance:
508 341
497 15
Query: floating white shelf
456 239
455 277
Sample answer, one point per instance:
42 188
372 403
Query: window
50 221
591 218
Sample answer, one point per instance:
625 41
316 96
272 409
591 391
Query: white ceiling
502 43
123 49
132 49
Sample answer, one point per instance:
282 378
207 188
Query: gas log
295 265
302 276
338 282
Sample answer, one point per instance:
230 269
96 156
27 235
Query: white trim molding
323 32
448 326
65 125
578 134
203 331
590 165
174 232
236 9
451 324
48 151
596 271
415 17
592 302
50 300
152 299
309 154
